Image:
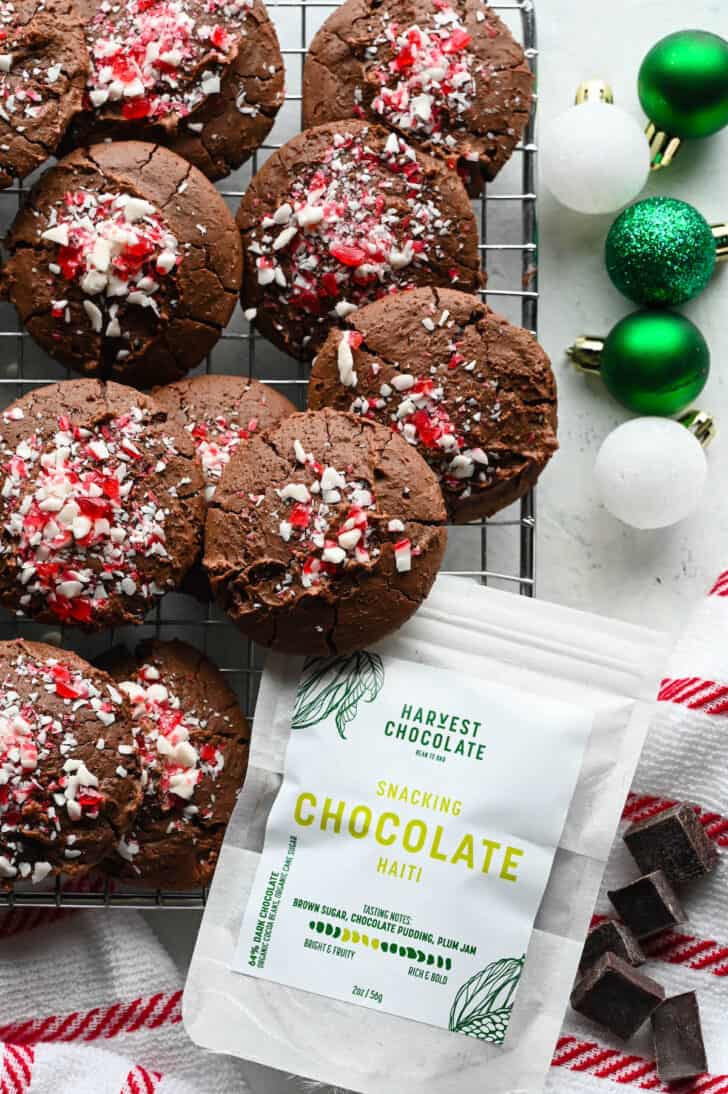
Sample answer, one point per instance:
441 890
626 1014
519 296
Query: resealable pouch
408 876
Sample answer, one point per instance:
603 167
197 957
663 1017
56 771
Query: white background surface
586 558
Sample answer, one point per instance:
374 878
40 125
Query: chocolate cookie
325 534
124 263
101 505
342 215
475 395
203 77
219 412
71 780
43 67
448 76
193 743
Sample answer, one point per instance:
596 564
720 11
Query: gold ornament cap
720 234
586 353
701 425
594 91
663 147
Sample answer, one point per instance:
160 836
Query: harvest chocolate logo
437 730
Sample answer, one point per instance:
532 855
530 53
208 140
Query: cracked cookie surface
43 67
193 744
220 413
447 74
325 534
101 505
472 393
202 77
342 215
124 263
71 775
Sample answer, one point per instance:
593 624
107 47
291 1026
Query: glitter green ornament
661 251
653 362
683 88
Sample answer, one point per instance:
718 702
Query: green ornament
660 251
653 362
683 84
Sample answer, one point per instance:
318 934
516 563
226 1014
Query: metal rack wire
499 552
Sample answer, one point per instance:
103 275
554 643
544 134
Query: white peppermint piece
136 208
58 234
310 215
210 85
345 362
296 491
283 213
349 540
7 870
94 315
403 557
392 144
41 870
93 282
284 237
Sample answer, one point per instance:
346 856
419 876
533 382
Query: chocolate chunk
649 905
611 937
679 1038
673 841
614 995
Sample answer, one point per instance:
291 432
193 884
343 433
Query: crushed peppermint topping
176 755
348 340
419 409
83 512
357 225
425 79
116 248
331 524
215 441
25 71
162 59
44 786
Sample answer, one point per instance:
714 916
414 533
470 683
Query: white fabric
92 959
685 758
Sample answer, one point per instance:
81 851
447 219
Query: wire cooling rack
497 552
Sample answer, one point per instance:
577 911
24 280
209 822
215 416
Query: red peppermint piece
133 109
348 255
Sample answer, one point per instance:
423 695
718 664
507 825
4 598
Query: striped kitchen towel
685 759
90 1003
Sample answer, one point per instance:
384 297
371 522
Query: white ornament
650 472
594 157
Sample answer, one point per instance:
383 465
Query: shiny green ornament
660 252
683 84
653 362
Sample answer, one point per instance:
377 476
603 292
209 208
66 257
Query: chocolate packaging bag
407 879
